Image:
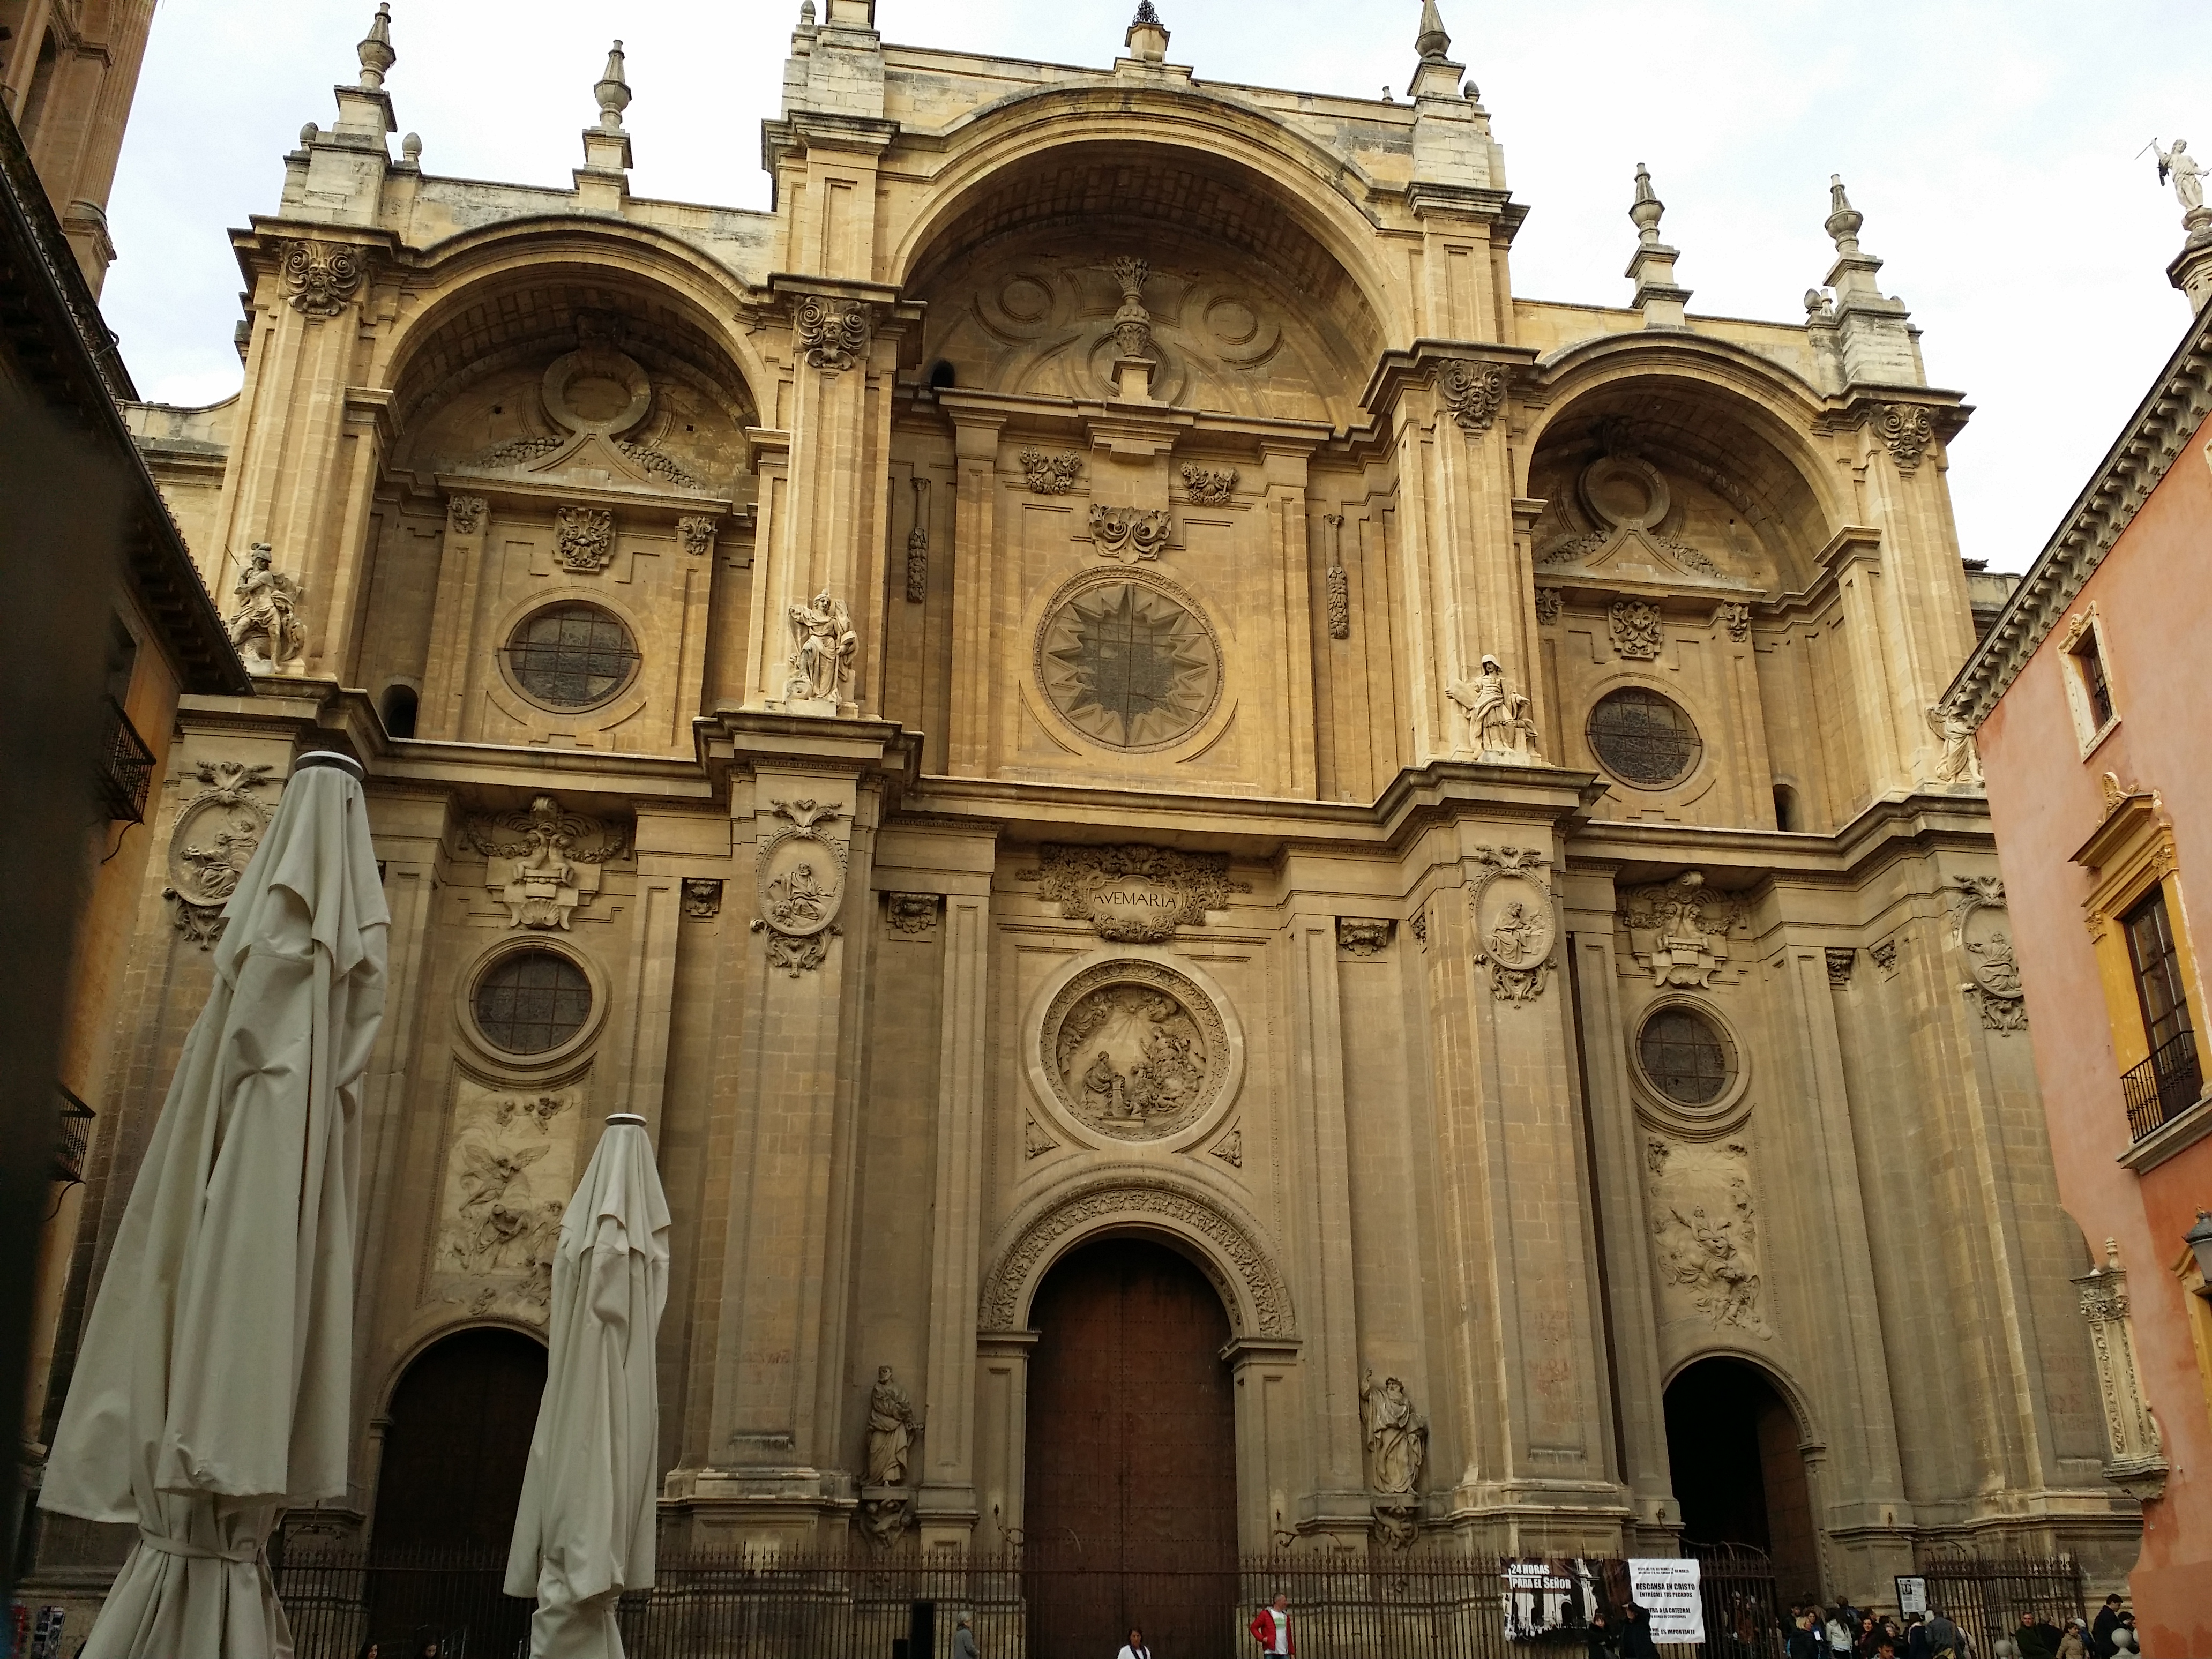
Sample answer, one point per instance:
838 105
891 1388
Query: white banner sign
1912 1596
1667 1590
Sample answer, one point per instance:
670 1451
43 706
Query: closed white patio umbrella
583 1530
214 1385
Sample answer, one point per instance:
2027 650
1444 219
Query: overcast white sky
1991 147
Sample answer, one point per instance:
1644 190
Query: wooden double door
1131 1494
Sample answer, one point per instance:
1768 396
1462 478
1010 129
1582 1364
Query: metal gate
1985 1595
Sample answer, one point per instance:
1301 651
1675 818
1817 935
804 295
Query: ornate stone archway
1226 1245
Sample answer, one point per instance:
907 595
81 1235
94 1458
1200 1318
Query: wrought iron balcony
72 1135
2164 1086
127 769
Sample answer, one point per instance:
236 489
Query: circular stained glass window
572 656
531 1002
1643 738
1128 666
1685 1056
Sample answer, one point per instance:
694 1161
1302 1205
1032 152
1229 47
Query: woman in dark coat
1635 1641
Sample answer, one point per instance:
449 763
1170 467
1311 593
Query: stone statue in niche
1397 1435
892 1426
1498 715
267 612
823 647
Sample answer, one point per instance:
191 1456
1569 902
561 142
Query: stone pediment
590 458
1634 554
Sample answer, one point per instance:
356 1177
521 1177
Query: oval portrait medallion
1127 663
1133 1049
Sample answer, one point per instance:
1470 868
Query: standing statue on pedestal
268 608
1959 764
892 1426
823 646
2179 168
1397 1436
1498 716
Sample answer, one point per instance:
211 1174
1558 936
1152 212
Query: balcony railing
127 769
2164 1086
72 1135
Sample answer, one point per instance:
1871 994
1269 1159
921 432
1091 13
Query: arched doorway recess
1130 1490
1733 1443
457 1441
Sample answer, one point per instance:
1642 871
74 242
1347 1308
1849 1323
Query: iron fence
126 769
1033 1604
1985 1595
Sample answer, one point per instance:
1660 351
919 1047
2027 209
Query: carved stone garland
917 546
800 874
319 277
213 841
1474 392
1338 582
831 334
1110 1197
1994 988
1515 926
1209 489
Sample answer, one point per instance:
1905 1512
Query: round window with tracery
1685 1056
1643 738
572 656
531 1002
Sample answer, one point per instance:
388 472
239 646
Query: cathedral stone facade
1118 744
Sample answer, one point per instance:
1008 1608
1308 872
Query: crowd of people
1846 1632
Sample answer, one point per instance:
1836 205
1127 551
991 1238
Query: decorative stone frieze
1474 392
1636 628
1050 475
1209 489
212 842
702 899
319 277
1126 533
584 537
2137 1462
544 864
1885 955
1514 927
1841 959
831 334
509 1169
1679 929
1134 895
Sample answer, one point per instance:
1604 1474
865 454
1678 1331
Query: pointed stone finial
1432 43
411 149
1645 210
612 92
1843 219
806 14
375 50
1147 39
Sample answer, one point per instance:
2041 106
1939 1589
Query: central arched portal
1733 1442
1130 1502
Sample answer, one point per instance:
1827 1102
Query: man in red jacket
1271 1628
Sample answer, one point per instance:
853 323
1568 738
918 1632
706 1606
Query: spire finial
1644 212
375 49
1432 43
1147 39
1843 219
612 91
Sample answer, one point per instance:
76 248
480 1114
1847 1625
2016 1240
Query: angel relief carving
1704 1232
508 1176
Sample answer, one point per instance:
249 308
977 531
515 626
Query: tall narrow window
2157 972
2089 662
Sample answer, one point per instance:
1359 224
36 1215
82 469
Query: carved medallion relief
510 1169
213 842
1515 925
801 881
1136 1049
1128 663
1704 1232
1982 930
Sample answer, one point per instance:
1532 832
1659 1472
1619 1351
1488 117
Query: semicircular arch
1776 1377
1210 1229
1034 131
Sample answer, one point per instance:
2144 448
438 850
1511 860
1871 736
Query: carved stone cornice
2144 451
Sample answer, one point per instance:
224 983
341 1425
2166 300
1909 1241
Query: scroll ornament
1474 393
831 334
319 277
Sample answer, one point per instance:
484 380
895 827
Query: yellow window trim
2130 853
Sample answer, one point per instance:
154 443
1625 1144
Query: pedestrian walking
1271 1628
2075 1644
1602 1645
1803 1643
1916 1636
2037 1638
1945 1639
963 1638
1134 1647
2100 1633
1839 1634
1635 1641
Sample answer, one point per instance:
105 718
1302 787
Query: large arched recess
1736 1430
1301 195
463 271
1710 405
